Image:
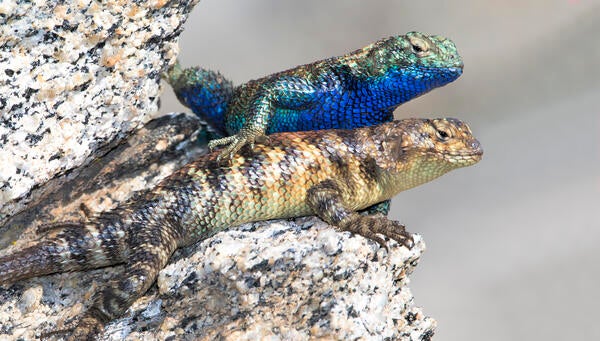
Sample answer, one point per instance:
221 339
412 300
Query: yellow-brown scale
272 184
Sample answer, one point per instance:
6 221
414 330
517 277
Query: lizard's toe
370 226
393 230
212 145
403 238
228 153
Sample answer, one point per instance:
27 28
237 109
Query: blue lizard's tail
206 92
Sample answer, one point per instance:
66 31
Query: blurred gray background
513 242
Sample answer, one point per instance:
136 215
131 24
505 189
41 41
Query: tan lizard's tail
67 247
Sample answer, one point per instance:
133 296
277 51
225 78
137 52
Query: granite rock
282 280
75 78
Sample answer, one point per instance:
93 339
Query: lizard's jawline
463 158
466 154
450 155
460 158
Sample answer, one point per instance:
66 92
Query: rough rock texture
75 76
295 280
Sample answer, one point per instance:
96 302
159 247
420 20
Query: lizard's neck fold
414 172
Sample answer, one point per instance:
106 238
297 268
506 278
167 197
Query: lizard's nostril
476 145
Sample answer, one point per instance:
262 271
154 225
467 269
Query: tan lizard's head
450 140
421 150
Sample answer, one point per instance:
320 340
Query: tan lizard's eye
443 135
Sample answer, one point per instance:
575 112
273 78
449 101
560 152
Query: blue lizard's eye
417 48
418 45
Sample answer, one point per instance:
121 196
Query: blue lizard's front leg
283 98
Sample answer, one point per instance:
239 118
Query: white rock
75 76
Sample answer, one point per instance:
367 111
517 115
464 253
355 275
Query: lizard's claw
213 144
233 144
370 226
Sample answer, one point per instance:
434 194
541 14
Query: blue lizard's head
412 64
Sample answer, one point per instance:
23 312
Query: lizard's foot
370 226
234 144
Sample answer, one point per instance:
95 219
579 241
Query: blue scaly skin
361 88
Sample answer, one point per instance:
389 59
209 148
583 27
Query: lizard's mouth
455 69
470 158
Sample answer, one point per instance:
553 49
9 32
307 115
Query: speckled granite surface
73 77
283 280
